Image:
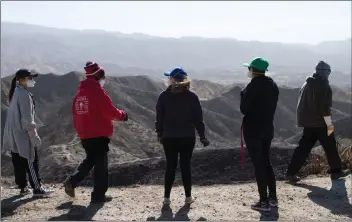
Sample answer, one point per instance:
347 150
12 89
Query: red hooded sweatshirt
93 111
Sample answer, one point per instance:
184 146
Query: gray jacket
315 101
20 119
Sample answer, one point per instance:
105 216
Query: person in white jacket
314 115
20 134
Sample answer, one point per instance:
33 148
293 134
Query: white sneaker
42 192
166 201
189 200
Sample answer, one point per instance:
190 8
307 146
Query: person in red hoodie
93 113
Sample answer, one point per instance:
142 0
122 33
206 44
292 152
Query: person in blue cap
258 105
178 115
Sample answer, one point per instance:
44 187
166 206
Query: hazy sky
303 22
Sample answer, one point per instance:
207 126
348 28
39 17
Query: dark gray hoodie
315 99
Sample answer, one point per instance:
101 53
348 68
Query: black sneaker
69 190
273 202
341 174
261 206
101 200
293 179
41 192
24 191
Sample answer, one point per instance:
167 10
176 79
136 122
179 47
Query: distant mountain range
52 50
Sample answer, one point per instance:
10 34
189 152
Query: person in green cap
258 105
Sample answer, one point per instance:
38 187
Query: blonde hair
184 83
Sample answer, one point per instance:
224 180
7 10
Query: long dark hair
12 88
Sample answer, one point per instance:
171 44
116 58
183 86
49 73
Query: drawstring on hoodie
242 148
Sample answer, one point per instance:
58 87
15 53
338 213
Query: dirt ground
311 200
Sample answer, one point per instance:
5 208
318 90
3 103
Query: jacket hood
179 87
323 69
89 83
316 78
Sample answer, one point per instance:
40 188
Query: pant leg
87 164
329 145
36 165
101 174
269 169
255 150
301 153
19 170
32 173
186 150
171 154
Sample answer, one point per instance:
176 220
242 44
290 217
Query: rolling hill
137 95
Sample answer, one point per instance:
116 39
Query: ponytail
12 89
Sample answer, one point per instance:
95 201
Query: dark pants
173 147
23 166
305 145
259 151
97 157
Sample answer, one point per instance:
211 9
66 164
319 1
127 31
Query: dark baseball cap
177 73
22 73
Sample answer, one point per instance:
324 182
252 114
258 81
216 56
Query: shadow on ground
181 215
9 205
273 215
336 199
77 212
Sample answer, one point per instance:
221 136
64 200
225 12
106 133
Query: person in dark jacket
314 115
178 115
93 113
258 105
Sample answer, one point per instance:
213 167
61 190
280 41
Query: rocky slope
135 140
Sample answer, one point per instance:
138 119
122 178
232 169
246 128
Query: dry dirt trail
313 200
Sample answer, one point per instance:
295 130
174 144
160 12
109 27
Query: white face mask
250 74
102 82
30 83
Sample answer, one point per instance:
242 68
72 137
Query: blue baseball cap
177 73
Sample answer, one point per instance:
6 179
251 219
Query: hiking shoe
24 191
273 202
69 190
101 200
261 206
341 174
42 192
166 201
293 179
189 200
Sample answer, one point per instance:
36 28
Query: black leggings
259 151
173 147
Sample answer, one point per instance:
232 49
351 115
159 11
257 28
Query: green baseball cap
258 63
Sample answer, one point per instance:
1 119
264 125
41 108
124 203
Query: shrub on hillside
318 164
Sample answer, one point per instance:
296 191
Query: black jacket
315 102
258 105
178 114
